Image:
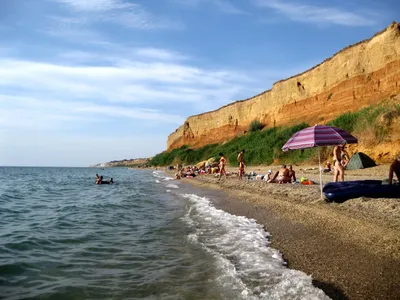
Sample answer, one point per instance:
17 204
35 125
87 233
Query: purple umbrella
316 136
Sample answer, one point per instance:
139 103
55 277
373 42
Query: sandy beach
351 250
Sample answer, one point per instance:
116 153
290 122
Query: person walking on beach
338 167
222 163
240 159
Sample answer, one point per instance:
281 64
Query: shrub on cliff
370 125
365 123
262 147
255 125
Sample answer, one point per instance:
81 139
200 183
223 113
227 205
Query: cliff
360 75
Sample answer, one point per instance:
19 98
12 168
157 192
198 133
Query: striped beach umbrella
318 136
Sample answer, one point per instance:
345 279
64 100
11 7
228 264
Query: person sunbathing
395 169
282 176
292 174
268 176
327 167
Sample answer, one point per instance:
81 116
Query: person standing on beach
395 169
240 159
345 158
222 163
338 168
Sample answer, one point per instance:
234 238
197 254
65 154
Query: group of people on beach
222 164
340 161
188 172
285 174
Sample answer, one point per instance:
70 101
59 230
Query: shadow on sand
330 290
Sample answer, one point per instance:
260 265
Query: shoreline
351 250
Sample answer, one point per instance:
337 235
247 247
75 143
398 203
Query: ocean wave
247 265
173 186
76 240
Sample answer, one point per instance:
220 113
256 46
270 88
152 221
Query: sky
90 81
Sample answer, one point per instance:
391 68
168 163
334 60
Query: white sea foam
158 174
172 186
247 266
157 181
161 175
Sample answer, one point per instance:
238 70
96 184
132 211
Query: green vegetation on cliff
265 147
373 120
262 147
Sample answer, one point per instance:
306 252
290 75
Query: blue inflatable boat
342 191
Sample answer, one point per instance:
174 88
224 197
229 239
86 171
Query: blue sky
88 81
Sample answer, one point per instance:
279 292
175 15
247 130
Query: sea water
144 237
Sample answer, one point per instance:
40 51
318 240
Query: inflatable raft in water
342 191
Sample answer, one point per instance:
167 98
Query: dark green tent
360 161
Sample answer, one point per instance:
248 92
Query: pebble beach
352 249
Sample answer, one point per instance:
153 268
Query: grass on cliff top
370 125
262 147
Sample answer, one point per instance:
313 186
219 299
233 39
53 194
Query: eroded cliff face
360 75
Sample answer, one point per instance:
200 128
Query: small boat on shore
341 191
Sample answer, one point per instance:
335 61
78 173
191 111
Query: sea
146 236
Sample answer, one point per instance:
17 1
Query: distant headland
132 162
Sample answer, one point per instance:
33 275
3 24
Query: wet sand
352 250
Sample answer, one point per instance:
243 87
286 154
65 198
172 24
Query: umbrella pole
320 172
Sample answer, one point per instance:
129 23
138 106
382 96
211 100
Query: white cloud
120 55
159 54
228 7
46 114
77 90
225 6
96 5
316 14
127 80
120 12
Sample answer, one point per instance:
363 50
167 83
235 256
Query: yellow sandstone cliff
360 75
